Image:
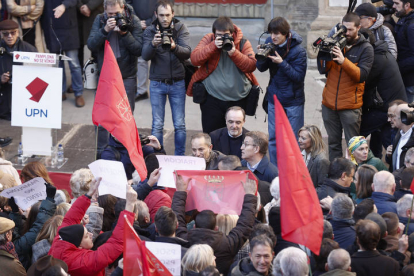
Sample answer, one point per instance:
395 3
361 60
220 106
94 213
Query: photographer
10 42
123 30
227 62
287 68
346 74
166 44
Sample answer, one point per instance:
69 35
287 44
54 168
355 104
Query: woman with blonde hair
45 237
197 258
226 223
35 169
62 209
314 153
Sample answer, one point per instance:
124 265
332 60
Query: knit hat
73 234
8 25
354 143
43 264
5 225
366 9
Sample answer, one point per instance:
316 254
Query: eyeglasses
9 33
246 145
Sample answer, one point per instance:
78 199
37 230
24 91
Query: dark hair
165 221
364 208
392 221
274 220
230 162
409 1
352 17
119 207
223 23
163 3
407 176
368 34
31 218
107 202
368 234
408 270
151 162
365 178
327 230
260 139
338 166
326 247
35 169
209 271
263 229
278 25
206 219
260 240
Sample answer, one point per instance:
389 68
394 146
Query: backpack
90 73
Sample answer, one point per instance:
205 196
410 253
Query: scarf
353 144
9 248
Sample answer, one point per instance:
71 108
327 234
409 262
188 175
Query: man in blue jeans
166 44
287 68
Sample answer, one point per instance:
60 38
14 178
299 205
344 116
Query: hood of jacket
380 48
378 23
245 267
296 39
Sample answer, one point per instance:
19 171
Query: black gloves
13 205
50 191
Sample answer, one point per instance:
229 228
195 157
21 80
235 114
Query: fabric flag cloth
412 186
134 261
219 191
111 110
300 211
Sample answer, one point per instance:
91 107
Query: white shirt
306 157
403 140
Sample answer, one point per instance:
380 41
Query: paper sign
169 254
170 163
114 180
28 193
33 57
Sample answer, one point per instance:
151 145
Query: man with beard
342 95
404 36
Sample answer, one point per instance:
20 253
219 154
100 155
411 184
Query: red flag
112 111
412 186
301 214
218 191
134 261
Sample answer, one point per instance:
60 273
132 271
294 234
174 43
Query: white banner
33 57
114 180
170 163
169 254
28 193
37 96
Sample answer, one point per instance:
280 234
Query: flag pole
96 142
409 218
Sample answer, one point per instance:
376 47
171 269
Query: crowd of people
365 198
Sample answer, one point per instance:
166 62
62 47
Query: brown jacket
9 265
207 56
24 11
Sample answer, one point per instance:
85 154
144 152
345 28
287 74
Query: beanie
366 9
73 234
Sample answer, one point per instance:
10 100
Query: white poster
169 254
170 163
36 96
33 57
114 180
28 193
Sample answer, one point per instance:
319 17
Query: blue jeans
410 93
75 71
295 115
176 96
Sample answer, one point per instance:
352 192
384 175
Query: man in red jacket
73 242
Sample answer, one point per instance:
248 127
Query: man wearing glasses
254 149
10 42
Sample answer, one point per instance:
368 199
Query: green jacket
10 265
374 161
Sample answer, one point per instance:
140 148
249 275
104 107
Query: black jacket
225 247
344 232
174 240
221 141
166 64
384 77
404 36
266 171
404 149
330 188
144 9
85 23
130 44
370 263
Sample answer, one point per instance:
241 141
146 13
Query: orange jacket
345 83
207 56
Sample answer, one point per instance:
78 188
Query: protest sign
169 254
113 175
28 193
170 163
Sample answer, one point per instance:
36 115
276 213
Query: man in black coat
60 28
384 80
228 140
10 42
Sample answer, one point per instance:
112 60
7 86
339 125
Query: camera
121 22
227 39
264 51
165 39
326 44
407 116
386 8
144 140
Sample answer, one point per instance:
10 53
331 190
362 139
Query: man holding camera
404 36
10 42
166 44
346 75
123 30
225 76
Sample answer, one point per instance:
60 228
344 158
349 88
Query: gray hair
408 155
383 182
275 189
404 204
80 182
291 261
327 229
339 259
113 3
342 207
3 238
207 138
